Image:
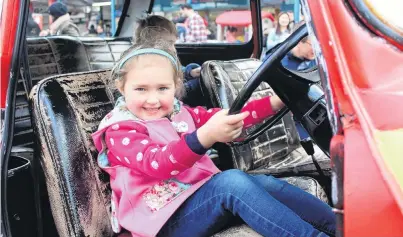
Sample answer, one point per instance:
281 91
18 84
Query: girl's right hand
221 127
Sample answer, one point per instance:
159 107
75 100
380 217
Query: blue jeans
269 206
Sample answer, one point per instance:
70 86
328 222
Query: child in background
154 147
156 27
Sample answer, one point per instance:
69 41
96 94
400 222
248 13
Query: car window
208 21
1 9
389 13
277 21
73 18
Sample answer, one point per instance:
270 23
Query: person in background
33 29
231 35
100 31
62 23
292 21
180 28
92 32
108 32
280 33
196 31
301 57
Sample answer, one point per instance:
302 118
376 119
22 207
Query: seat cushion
242 230
276 151
307 184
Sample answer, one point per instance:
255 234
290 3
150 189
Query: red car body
366 87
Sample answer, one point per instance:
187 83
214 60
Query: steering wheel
299 91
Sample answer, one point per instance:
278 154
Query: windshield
390 13
1 9
77 18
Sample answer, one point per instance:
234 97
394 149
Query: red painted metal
369 206
366 82
8 30
366 85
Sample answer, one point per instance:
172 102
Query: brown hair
153 28
186 6
278 31
118 75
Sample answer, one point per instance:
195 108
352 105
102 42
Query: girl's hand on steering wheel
221 127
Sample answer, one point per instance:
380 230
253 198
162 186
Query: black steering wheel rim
273 61
302 96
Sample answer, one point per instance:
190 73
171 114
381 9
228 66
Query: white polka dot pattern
115 127
172 159
175 172
127 160
254 114
126 141
139 156
144 142
154 150
112 141
155 164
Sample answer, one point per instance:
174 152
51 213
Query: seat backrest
59 55
103 54
221 81
66 111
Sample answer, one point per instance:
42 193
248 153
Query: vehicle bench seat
60 55
66 111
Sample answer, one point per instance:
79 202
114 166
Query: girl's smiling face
149 87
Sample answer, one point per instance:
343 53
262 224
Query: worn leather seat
66 111
60 55
277 151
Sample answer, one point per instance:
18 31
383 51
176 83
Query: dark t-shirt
294 63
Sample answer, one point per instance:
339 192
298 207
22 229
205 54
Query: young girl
163 184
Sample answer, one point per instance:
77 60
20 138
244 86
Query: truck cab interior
61 95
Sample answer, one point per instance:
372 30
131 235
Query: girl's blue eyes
160 89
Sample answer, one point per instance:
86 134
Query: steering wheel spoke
298 91
262 128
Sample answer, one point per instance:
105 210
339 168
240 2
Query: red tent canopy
239 18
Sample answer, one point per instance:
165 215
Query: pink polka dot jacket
155 165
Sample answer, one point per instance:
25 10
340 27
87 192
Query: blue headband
147 51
